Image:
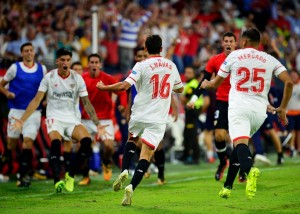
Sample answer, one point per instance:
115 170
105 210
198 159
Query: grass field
189 189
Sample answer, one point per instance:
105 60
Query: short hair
63 51
24 45
94 55
153 44
137 49
228 34
75 63
252 34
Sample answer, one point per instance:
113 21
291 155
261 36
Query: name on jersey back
252 56
160 64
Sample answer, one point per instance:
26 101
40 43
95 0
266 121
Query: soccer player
78 67
221 113
24 79
102 102
250 72
155 79
63 88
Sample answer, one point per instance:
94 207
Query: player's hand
281 112
121 109
271 109
102 132
175 115
204 84
190 105
10 95
18 124
100 85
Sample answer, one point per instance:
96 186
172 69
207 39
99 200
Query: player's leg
160 159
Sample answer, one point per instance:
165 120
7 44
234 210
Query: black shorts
221 115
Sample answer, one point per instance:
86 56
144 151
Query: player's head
27 52
94 63
228 42
250 37
153 44
140 54
77 66
63 59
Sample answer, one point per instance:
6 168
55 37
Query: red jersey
101 100
213 66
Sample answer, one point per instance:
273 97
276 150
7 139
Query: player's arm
120 86
33 105
89 108
199 91
212 84
3 90
287 93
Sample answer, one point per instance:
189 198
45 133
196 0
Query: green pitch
189 189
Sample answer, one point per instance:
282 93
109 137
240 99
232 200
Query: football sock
25 162
129 152
221 151
160 162
55 159
83 155
233 169
67 160
140 170
244 157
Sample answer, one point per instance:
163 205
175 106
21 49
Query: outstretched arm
212 84
120 86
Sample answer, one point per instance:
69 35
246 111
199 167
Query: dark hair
153 44
75 63
137 49
94 55
252 34
62 52
24 45
229 34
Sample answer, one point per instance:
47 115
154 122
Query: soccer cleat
242 177
117 185
280 160
251 182
59 186
23 183
39 176
127 196
85 181
225 193
69 183
4 178
161 181
220 172
107 172
262 159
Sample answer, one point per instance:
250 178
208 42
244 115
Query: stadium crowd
191 32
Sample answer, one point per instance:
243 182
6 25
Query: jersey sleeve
81 86
278 67
44 83
135 74
44 70
177 83
10 73
224 70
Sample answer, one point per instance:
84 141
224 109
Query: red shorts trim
235 139
149 144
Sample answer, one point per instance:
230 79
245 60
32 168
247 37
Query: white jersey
154 79
294 103
63 95
250 78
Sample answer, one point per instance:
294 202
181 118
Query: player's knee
219 137
27 143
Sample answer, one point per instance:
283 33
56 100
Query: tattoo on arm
90 110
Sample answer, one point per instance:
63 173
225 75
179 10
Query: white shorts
30 127
244 123
150 134
92 128
65 129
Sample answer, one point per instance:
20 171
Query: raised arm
120 86
212 84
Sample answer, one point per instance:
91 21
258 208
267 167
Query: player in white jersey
155 78
23 79
64 87
250 72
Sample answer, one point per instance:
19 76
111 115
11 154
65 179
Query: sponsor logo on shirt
134 72
224 63
63 94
